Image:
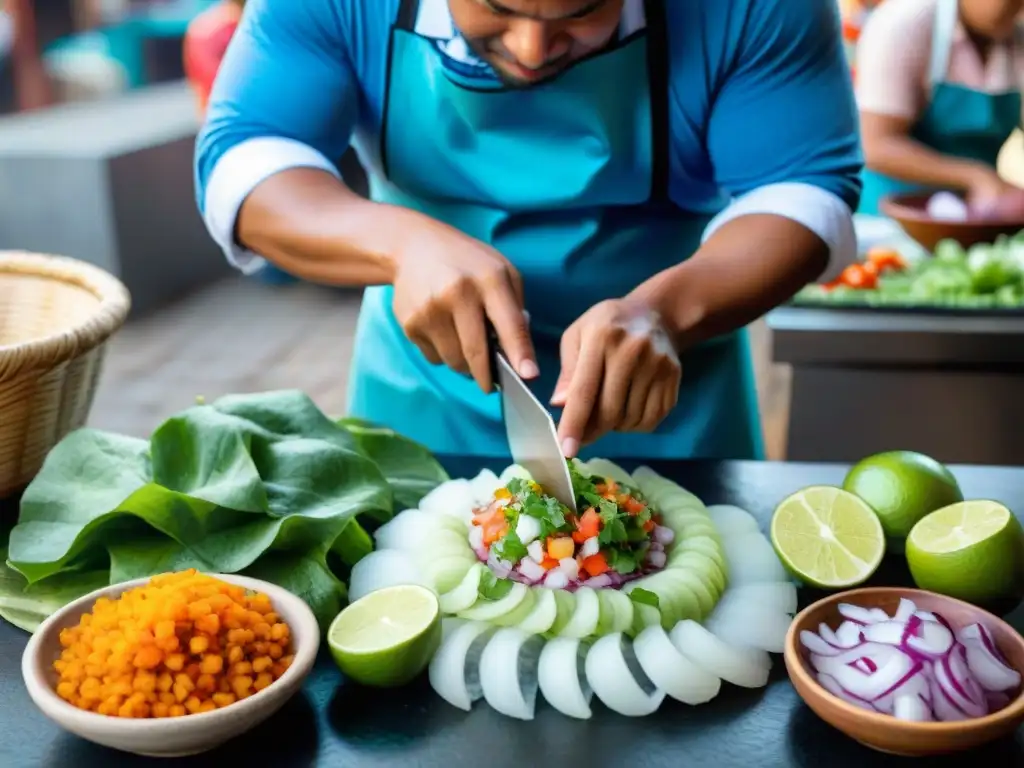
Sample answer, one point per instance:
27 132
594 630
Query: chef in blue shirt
619 186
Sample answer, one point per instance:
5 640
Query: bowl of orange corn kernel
172 665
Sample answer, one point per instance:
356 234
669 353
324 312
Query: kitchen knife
531 432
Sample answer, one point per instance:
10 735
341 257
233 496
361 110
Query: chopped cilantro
510 547
493 588
644 597
624 561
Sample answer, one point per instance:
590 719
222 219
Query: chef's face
527 41
993 19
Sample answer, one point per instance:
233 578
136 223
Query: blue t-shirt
759 90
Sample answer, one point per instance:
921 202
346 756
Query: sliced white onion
569 567
449 624
879 614
671 671
464 596
488 610
483 487
910 706
556 579
454 498
751 559
381 569
508 672
779 596
527 529
543 614
584 619
454 671
590 547
536 550
732 521
745 667
514 471
617 686
476 539
532 570
562 676
984 661
741 621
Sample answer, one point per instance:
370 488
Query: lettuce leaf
259 483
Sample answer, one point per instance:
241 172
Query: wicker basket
55 316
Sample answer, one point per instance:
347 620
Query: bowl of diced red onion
907 671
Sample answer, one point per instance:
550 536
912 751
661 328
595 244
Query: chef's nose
532 43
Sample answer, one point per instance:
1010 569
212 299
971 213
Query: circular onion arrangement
912 665
572 641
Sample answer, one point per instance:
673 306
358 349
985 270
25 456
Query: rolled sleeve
784 112
285 97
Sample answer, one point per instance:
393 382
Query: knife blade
531 432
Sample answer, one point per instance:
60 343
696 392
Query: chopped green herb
644 597
492 588
510 547
624 561
613 532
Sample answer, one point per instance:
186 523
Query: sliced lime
388 637
827 537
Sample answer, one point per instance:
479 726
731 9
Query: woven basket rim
54 349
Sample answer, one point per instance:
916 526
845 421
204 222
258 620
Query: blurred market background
97 125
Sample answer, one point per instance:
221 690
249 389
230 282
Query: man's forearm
747 267
307 222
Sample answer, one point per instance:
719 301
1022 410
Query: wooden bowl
884 732
911 213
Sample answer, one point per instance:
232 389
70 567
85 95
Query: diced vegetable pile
913 665
985 276
530 537
184 643
261 484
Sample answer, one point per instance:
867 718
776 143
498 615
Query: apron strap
408 13
658 82
947 14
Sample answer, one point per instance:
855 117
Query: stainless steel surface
532 437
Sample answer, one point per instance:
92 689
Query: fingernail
569 447
528 369
558 398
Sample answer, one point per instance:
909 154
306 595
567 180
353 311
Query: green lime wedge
388 637
973 551
827 537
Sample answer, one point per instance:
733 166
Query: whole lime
902 487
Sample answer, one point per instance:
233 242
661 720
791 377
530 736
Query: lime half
388 637
973 551
827 537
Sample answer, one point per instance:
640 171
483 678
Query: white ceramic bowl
177 736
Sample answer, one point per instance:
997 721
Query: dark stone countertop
337 724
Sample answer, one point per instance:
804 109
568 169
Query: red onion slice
857 614
830 684
932 640
912 707
905 612
896 671
958 687
985 662
996 700
849 635
818 645
879 654
885 632
942 705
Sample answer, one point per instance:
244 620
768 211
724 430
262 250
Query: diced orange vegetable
608 486
159 649
494 530
597 564
649 526
633 506
590 524
503 493
560 548
886 258
548 563
579 537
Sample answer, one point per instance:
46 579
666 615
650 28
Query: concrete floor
241 336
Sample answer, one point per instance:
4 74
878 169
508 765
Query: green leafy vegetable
644 597
262 483
510 547
492 588
26 607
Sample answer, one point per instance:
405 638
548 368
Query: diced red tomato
649 526
633 506
886 259
595 565
548 563
855 276
590 524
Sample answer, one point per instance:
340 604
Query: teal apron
959 121
568 180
